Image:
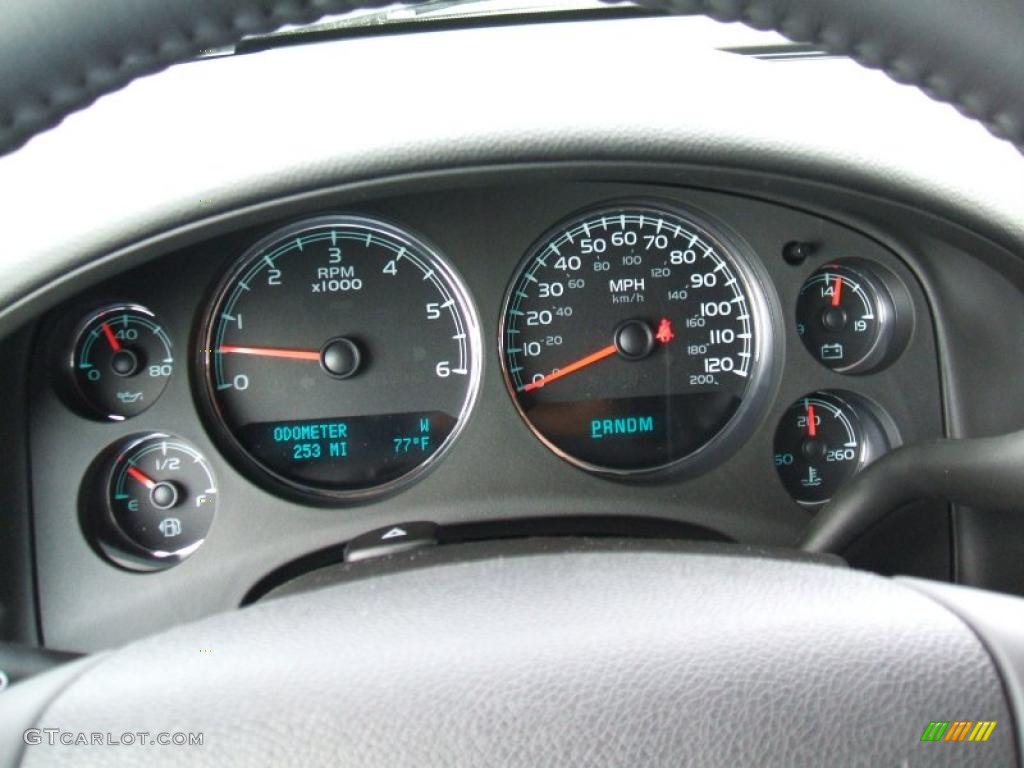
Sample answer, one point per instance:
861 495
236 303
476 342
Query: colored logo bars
958 730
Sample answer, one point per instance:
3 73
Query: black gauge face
121 361
824 439
632 338
819 445
341 357
161 499
844 318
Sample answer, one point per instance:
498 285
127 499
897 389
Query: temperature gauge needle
290 354
142 478
812 428
115 344
837 293
601 354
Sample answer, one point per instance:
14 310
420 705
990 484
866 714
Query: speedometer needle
601 354
291 354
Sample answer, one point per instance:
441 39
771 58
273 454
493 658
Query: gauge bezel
878 432
766 351
891 304
84 398
203 381
106 533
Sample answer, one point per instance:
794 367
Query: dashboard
406 351
624 356
798 210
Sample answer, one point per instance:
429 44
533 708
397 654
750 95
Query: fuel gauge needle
290 354
142 478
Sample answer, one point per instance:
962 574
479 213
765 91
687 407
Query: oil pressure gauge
121 361
824 439
853 316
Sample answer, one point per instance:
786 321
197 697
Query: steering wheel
542 652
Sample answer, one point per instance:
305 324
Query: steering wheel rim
59 57
545 653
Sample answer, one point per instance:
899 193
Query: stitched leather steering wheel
542 653
58 56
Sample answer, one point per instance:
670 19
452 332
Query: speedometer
635 339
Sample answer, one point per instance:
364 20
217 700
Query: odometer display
632 339
340 357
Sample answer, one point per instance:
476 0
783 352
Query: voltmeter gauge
121 361
152 501
852 316
823 440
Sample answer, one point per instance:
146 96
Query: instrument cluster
337 358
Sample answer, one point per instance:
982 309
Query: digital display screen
348 452
633 432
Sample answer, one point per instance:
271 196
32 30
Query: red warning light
664 334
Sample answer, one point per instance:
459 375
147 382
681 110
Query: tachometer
340 358
634 337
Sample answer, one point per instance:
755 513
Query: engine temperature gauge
852 316
823 440
121 361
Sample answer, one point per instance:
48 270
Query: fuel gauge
150 501
823 440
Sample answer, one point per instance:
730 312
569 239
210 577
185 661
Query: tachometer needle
601 354
138 475
291 354
837 293
812 428
115 344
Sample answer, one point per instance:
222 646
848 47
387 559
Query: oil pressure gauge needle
115 344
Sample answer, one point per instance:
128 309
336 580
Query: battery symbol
831 351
